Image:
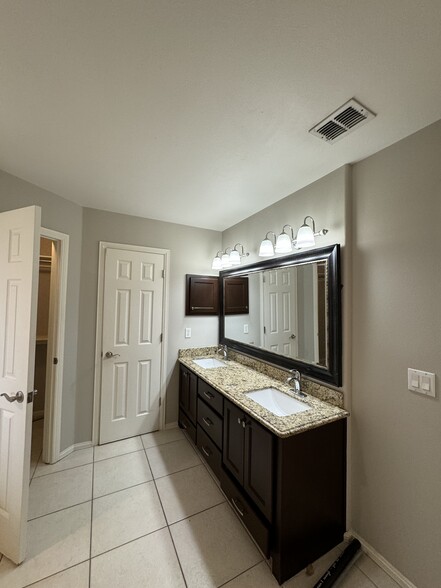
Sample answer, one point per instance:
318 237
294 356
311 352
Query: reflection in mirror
289 308
287 313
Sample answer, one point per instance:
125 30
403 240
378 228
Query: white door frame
56 342
103 245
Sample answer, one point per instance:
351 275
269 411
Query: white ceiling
198 111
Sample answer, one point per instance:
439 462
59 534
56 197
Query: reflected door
132 344
280 311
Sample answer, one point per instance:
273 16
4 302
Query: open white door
19 249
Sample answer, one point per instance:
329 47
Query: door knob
109 354
18 397
292 336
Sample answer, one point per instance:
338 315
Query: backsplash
334 397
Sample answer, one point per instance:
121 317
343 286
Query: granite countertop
236 379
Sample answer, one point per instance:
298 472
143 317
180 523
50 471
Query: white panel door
132 343
280 311
19 251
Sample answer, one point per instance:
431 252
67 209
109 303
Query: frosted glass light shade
305 237
266 248
225 260
234 257
283 243
217 263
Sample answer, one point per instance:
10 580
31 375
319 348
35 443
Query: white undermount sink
277 402
209 363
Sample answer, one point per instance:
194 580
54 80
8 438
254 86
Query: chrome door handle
109 354
292 336
19 397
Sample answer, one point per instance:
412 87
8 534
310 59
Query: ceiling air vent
342 122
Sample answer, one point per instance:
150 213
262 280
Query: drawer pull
206 451
208 421
237 507
208 394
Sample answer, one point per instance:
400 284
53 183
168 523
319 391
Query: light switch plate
187 332
245 328
421 382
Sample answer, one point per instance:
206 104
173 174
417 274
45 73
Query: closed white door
280 311
132 343
19 252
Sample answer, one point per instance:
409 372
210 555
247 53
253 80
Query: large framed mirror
287 311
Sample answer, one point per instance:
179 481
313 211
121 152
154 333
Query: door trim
56 343
103 246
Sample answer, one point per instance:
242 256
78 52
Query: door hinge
160 401
55 361
163 273
264 330
160 338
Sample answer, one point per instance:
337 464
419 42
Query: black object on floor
334 572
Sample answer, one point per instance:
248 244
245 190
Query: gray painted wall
192 251
64 216
396 434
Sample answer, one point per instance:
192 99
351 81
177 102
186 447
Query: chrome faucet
297 379
224 350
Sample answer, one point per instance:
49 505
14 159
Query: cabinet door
184 387
258 466
236 295
192 395
233 443
202 295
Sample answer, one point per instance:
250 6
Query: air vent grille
343 121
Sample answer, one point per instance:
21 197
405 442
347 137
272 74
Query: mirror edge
331 375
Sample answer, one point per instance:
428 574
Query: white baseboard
171 425
72 448
381 561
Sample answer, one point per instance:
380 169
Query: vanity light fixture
285 242
306 234
217 261
229 257
267 245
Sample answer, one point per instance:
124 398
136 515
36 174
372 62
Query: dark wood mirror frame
332 374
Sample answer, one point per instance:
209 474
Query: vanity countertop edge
234 380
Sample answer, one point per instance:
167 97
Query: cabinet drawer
247 513
187 425
210 422
209 451
211 396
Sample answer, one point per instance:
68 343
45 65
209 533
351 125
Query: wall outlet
187 332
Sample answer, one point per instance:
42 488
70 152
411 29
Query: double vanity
280 458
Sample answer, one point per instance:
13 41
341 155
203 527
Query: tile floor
145 512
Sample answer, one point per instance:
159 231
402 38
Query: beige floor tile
161 437
149 562
76 577
120 472
213 547
118 448
75 459
187 493
375 573
60 490
257 577
172 457
354 578
55 542
124 516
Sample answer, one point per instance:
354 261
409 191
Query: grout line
55 573
196 513
177 557
59 510
177 471
366 576
63 470
122 489
119 455
126 543
238 575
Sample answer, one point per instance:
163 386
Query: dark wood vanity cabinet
289 492
248 455
188 386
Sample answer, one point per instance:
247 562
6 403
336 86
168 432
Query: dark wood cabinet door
258 466
233 442
236 295
184 387
192 396
202 295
